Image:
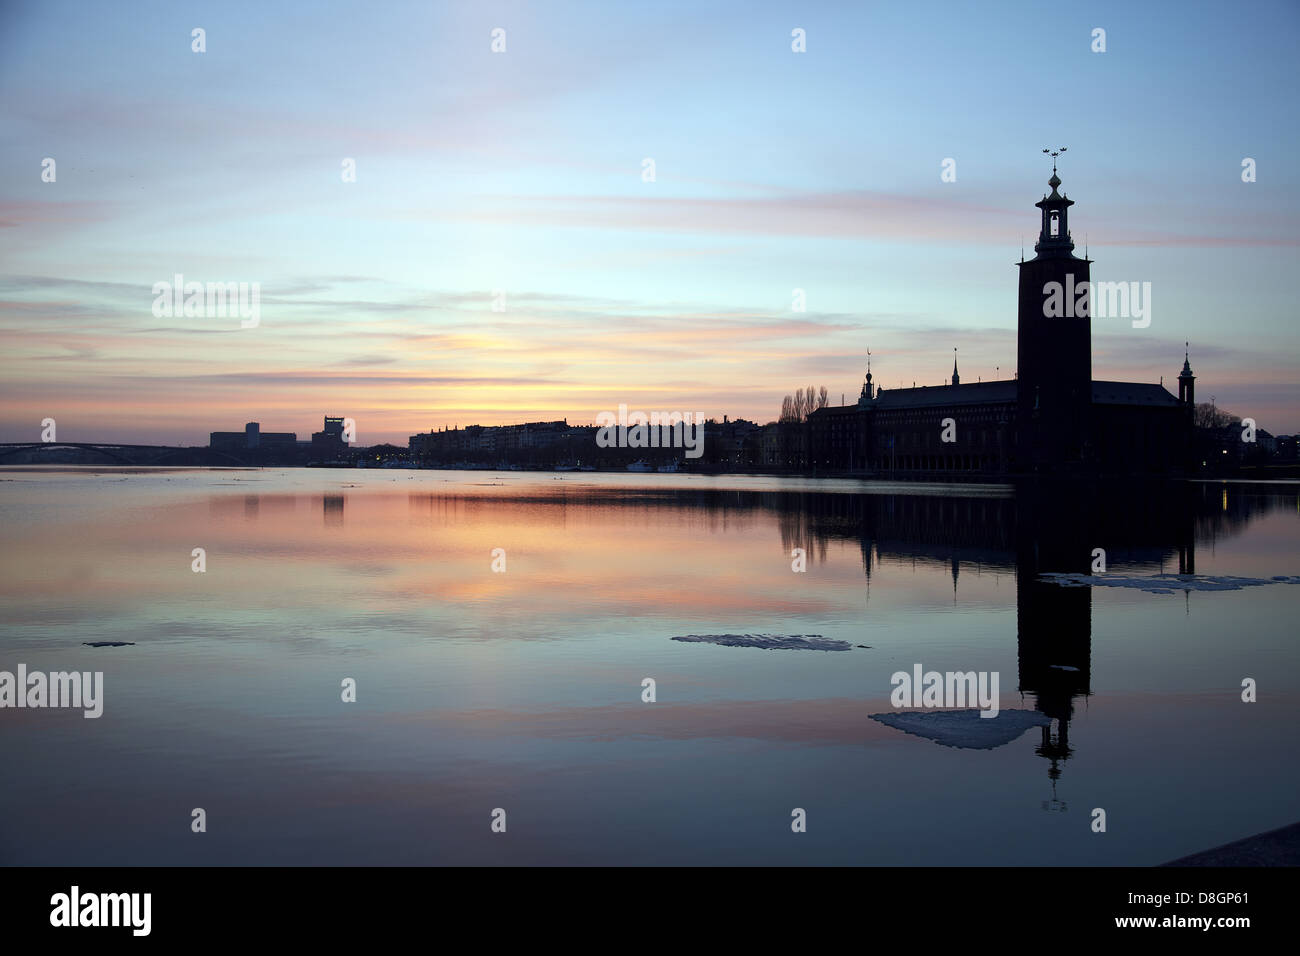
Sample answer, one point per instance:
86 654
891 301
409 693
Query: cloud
15 213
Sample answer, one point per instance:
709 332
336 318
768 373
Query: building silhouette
328 442
1052 418
252 438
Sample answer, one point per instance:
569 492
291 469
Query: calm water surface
522 690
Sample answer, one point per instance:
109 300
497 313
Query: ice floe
782 642
964 728
1165 583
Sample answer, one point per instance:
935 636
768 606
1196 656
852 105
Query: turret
1186 381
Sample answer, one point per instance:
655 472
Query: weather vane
1054 153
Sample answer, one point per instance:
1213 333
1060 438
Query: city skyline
521 172
578 434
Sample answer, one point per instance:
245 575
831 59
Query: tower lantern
868 390
1054 236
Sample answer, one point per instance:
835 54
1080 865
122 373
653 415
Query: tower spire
868 391
1186 380
956 379
1054 153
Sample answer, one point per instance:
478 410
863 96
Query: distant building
769 445
1052 418
732 443
252 438
328 443
487 442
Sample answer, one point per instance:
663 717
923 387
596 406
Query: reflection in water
332 506
1041 528
1054 623
1036 529
1052 528
477 683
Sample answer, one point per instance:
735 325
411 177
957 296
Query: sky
501 256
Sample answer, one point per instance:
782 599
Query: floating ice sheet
782 642
1165 583
964 728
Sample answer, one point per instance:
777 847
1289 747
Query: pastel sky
521 172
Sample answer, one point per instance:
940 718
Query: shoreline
1280 847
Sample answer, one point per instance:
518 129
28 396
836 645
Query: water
522 690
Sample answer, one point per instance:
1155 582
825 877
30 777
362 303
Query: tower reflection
1035 528
332 510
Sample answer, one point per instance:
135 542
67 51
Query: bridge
112 453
